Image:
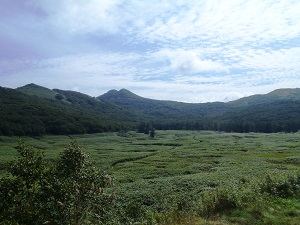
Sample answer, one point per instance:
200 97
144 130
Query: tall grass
190 177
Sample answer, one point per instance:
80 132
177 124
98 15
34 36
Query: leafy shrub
255 193
71 191
280 185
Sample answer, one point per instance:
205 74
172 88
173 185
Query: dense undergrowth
70 189
247 201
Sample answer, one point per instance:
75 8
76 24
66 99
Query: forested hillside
274 112
36 110
23 114
276 116
164 112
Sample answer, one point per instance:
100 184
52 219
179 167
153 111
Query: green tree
76 188
141 127
71 191
152 132
20 192
59 96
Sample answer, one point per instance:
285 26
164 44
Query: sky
182 50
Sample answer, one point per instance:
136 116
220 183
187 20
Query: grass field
171 170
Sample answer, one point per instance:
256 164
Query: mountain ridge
275 95
282 93
35 110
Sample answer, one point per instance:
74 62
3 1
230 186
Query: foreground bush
250 200
71 191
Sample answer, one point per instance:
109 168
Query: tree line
239 127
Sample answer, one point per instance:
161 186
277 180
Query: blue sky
190 51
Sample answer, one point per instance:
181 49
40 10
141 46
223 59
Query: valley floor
178 177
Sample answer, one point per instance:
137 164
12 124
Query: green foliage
20 193
72 160
179 177
273 116
23 114
254 196
275 112
152 132
33 89
59 97
280 185
71 191
30 166
76 188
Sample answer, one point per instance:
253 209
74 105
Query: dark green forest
72 113
35 110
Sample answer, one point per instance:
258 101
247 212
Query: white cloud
77 16
227 21
287 59
254 20
189 61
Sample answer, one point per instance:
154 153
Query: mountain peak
31 85
122 93
34 89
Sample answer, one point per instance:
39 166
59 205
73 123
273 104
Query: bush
254 194
280 185
71 191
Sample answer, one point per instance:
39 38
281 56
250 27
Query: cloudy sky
191 51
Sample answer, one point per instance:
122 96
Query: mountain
36 110
121 94
273 116
36 90
150 109
287 94
77 100
276 111
37 113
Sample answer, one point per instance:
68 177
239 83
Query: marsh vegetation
176 177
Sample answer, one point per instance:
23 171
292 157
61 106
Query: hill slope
35 110
36 90
276 111
287 94
149 109
23 114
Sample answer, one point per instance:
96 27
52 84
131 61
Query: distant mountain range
36 110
